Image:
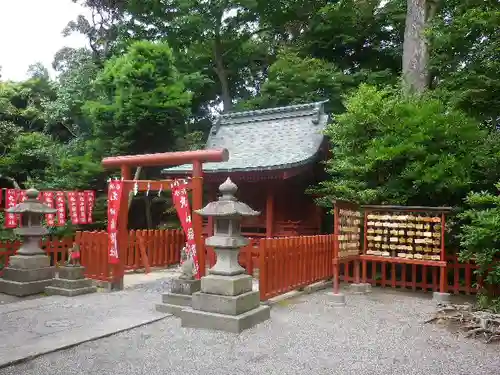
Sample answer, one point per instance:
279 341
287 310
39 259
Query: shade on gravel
380 333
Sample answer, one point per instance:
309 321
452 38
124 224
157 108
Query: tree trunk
415 49
147 211
220 69
225 91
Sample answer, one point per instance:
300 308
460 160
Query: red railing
56 249
290 263
147 248
285 264
460 276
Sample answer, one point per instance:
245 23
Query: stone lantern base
225 303
71 282
26 275
179 297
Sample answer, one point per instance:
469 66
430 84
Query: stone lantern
29 271
226 300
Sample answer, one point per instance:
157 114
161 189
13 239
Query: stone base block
27 275
228 305
71 284
337 299
20 289
181 286
167 308
176 299
191 318
226 285
72 273
441 298
360 288
368 287
52 290
29 261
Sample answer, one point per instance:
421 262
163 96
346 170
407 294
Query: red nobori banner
73 207
181 203
82 209
48 199
114 198
61 208
90 201
11 197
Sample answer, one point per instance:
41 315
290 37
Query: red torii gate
125 163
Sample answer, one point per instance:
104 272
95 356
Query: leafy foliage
480 240
141 95
293 79
390 148
464 57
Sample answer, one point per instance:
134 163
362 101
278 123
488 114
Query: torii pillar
126 163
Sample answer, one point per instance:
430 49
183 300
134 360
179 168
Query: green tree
63 115
28 156
389 148
143 103
465 57
480 242
293 79
358 35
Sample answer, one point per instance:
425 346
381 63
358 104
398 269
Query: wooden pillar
318 212
212 192
270 212
197 192
122 237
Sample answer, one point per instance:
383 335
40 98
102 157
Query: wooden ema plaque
347 227
349 238
406 233
401 235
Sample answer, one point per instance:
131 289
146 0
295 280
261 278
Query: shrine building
274 157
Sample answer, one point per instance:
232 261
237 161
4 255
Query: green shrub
480 242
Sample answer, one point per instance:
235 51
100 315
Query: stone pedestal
360 288
441 298
225 303
338 299
26 275
71 282
179 297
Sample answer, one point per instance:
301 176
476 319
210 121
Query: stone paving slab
31 328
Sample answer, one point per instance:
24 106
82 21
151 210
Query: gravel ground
380 333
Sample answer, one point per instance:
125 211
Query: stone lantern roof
227 205
31 205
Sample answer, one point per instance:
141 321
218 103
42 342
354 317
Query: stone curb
297 293
71 339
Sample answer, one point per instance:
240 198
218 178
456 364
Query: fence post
263 269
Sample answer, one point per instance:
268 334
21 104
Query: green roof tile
267 139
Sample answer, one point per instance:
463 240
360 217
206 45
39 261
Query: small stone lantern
29 271
32 213
226 300
227 240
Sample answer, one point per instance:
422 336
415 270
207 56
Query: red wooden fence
290 263
57 249
285 264
161 247
460 276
